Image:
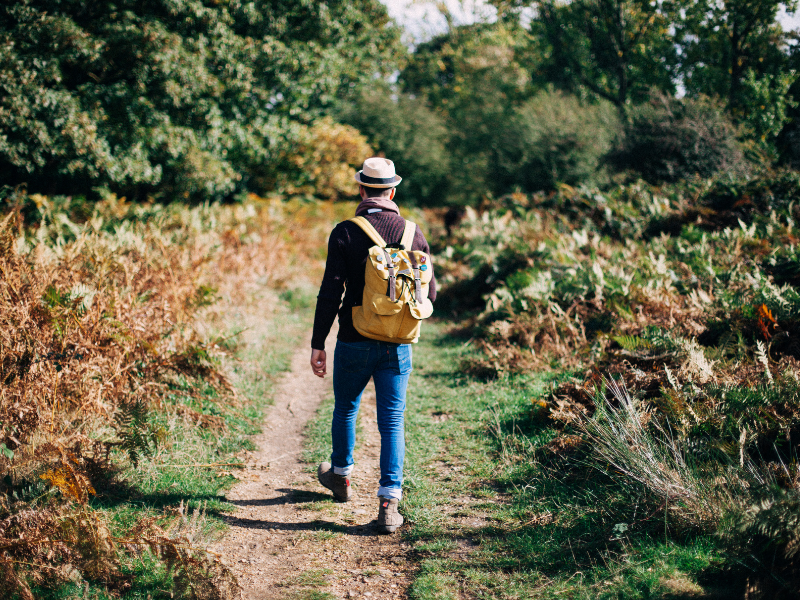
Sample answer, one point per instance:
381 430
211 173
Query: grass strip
496 513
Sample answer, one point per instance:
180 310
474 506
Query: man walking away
358 358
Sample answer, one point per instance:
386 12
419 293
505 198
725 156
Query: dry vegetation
105 312
673 316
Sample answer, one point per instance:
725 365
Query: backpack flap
377 283
424 265
423 310
377 256
383 305
380 282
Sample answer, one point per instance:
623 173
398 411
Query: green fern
776 521
137 436
632 343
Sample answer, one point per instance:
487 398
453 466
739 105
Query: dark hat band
379 180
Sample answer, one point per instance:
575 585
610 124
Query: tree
723 40
196 98
616 49
474 77
555 138
669 139
405 129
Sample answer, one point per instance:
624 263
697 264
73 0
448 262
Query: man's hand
319 363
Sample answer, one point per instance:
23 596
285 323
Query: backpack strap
392 276
408 235
379 241
369 230
408 241
417 278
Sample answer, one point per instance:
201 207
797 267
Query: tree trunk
736 68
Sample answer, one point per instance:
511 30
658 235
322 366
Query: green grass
317 444
495 514
310 595
311 578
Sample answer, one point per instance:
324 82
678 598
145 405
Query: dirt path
289 539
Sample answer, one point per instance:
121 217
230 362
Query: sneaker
338 484
389 519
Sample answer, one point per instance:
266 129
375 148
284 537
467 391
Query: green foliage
687 337
667 139
405 129
138 436
652 340
747 41
555 138
491 83
470 67
784 266
511 513
593 47
770 102
771 522
192 98
474 77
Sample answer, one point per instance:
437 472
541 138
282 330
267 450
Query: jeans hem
384 492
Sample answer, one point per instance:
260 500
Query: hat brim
397 179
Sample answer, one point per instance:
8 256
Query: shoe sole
383 529
389 528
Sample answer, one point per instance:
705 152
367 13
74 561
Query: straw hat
378 173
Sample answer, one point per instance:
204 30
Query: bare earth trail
288 538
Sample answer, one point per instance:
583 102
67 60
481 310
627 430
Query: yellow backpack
395 289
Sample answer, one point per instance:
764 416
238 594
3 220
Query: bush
668 139
321 160
555 138
406 130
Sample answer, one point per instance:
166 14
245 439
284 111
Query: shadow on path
368 530
290 496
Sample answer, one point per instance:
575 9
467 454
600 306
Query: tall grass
627 437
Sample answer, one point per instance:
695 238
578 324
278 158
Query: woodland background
612 193
207 101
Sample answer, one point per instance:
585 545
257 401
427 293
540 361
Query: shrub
106 353
626 437
668 139
406 130
555 138
320 161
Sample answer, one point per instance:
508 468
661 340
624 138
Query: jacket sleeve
331 289
420 243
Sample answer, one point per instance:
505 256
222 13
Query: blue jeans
390 367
